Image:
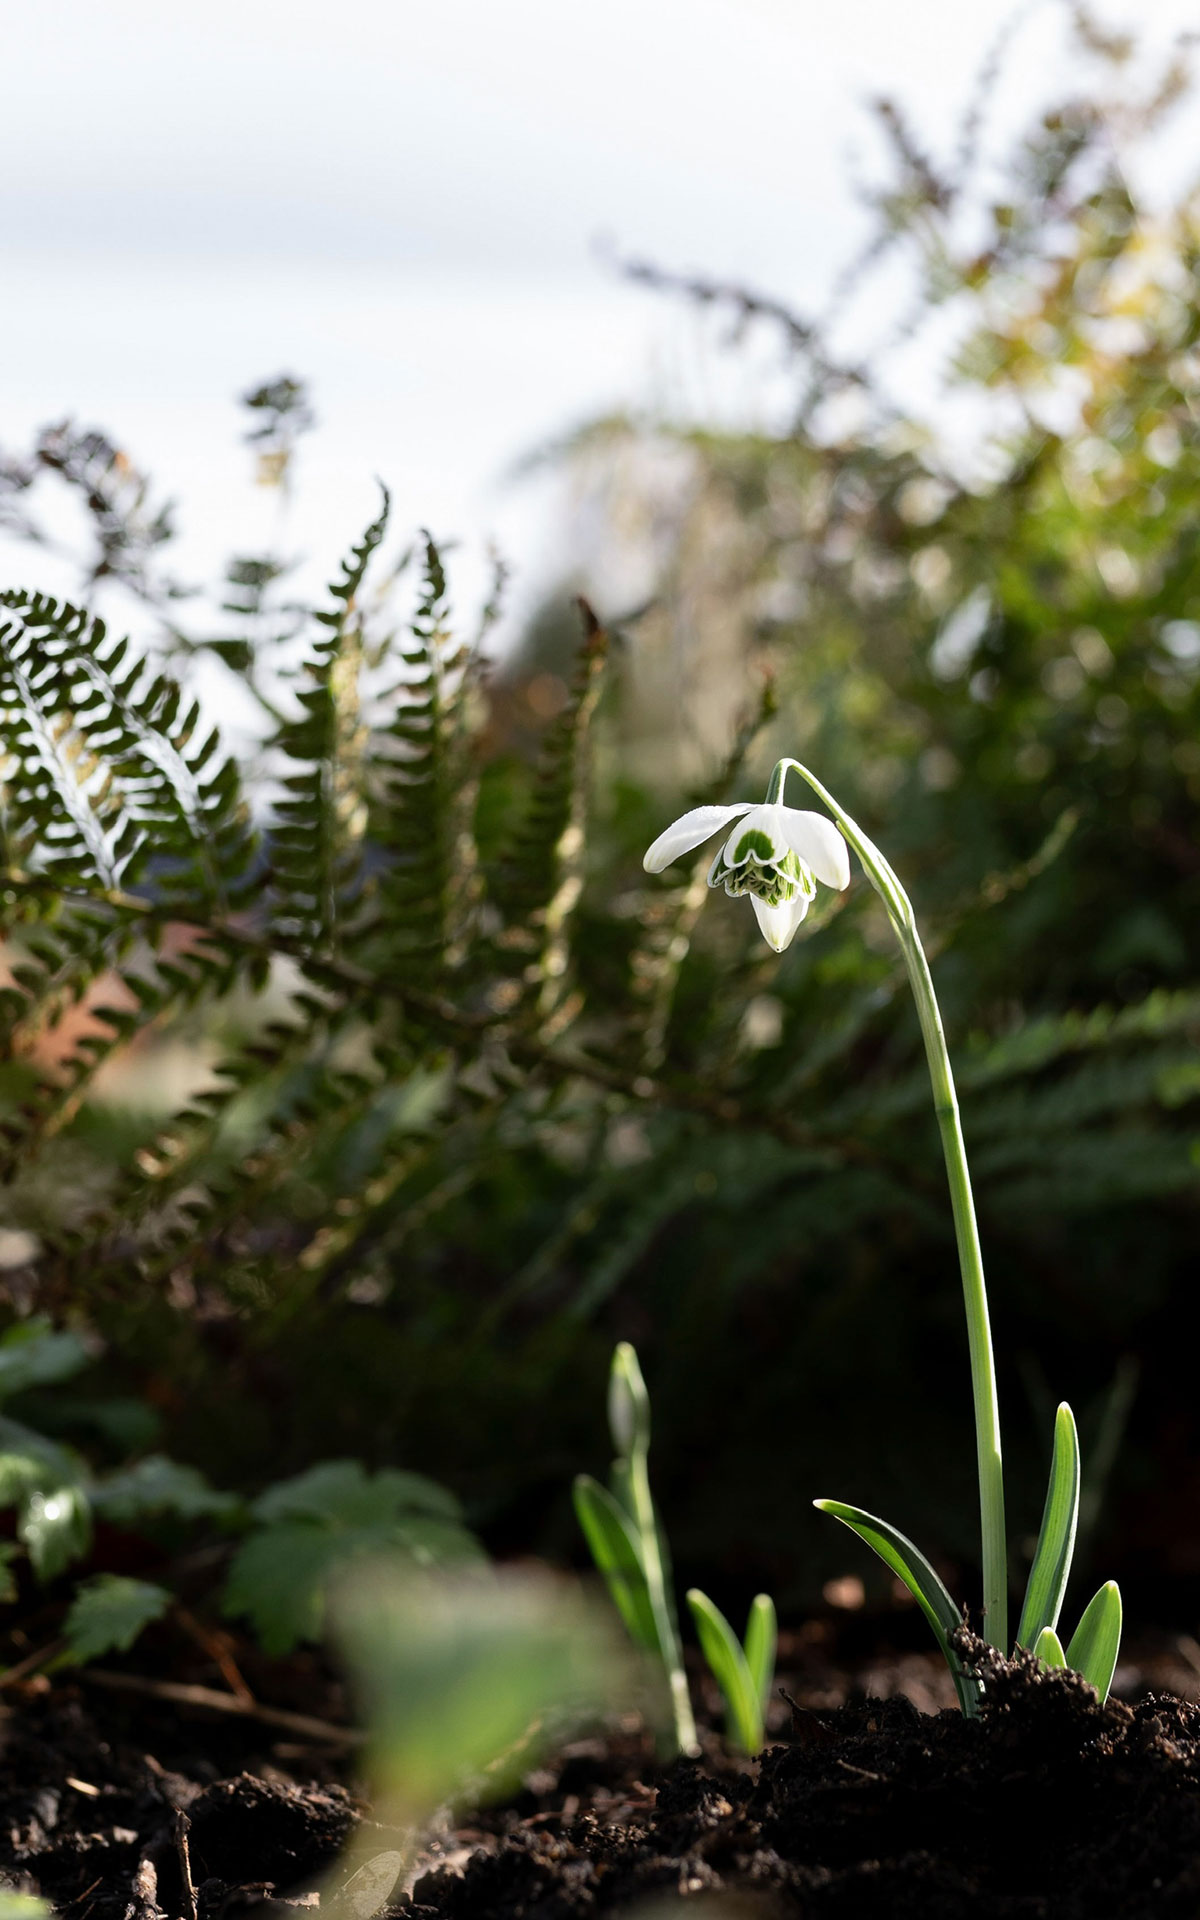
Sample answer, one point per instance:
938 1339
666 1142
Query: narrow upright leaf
761 1638
1097 1639
930 1593
614 1545
719 1643
1056 1541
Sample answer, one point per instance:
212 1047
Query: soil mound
1050 1807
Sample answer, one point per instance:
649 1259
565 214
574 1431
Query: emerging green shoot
742 1671
627 1543
1097 1639
1056 1541
927 1588
1049 1648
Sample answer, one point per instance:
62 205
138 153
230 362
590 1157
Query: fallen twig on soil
208 1699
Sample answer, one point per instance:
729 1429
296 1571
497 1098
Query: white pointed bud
628 1403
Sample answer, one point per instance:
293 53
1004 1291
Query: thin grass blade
761 1637
724 1654
1097 1639
1049 1649
614 1547
1056 1541
897 1551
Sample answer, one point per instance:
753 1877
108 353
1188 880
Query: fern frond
104 788
1040 1042
423 795
130 970
317 834
1087 1171
108 780
544 875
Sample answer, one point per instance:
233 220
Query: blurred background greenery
523 1102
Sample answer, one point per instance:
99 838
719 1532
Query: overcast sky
405 204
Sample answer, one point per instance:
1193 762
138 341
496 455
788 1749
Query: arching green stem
979 1333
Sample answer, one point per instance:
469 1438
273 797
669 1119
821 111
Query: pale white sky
401 202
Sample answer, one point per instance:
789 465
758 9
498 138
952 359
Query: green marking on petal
763 868
757 845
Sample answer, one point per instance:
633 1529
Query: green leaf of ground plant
615 1549
45 1483
724 1654
342 1494
157 1486
762 1635
1049 1649
1096 1641
279 1577
108 1613
55 1527
320 1521
930 1593
277 1580
1056 1541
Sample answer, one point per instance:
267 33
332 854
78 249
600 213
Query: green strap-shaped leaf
761 1637
615 1549
722 1650
930 1593
1056 1541
1097 1639
1049 1648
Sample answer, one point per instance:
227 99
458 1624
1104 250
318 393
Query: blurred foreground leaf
23 1906
465 1676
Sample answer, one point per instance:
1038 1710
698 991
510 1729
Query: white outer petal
819 843
766 820
689 831
778 924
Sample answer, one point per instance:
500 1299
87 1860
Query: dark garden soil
120 1805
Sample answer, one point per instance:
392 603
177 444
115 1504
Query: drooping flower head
776 854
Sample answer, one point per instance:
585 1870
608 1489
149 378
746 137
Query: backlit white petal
778 924
818 842
689 831
764 819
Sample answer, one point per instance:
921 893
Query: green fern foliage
420 776
338 950
317 833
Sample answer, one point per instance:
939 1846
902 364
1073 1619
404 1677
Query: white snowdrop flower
776 854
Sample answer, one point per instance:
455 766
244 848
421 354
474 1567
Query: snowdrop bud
628 1403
